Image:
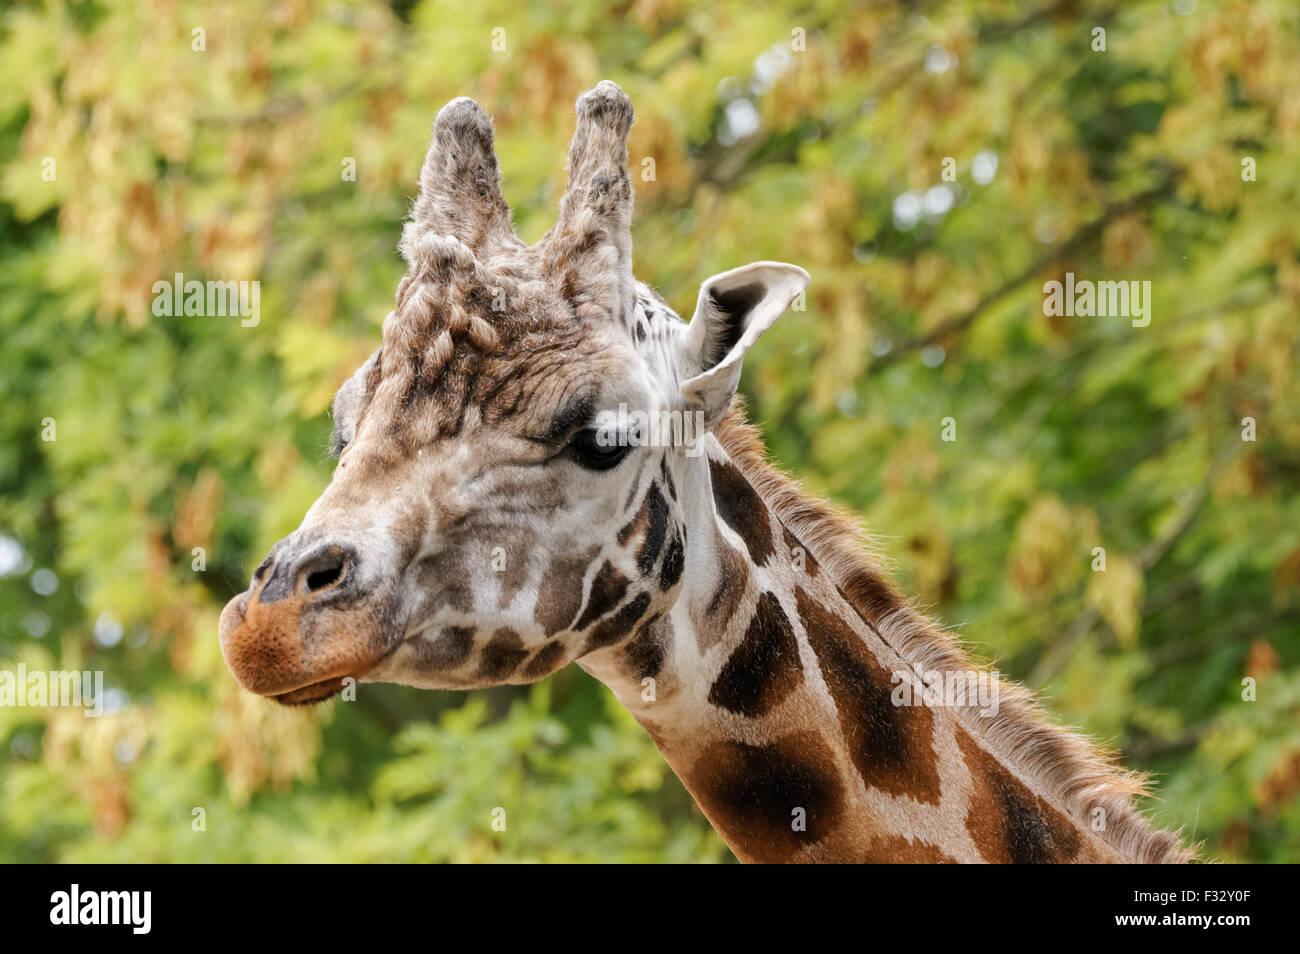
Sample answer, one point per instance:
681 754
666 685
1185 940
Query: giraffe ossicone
492 518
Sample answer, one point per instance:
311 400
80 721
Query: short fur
1066 763
472 535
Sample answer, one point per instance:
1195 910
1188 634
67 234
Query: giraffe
492 518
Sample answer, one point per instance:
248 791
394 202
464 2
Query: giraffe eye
593 450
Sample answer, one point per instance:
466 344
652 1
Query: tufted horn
592 239
460 183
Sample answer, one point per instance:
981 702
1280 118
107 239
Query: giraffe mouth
319 691
270 651
312 694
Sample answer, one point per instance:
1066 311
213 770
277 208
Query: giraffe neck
799 722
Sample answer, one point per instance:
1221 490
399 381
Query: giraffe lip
312 693
322 689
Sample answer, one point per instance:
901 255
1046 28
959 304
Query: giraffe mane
1066 764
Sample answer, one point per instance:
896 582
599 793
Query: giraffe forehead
499 341
548 381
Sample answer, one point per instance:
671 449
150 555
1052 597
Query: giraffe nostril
325 577
324 570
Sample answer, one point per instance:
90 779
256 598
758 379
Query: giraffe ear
733 309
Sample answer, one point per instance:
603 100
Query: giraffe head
493 516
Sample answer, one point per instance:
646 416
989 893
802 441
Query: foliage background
926 303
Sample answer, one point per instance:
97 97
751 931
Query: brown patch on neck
900 850
1008 823
733 578
892 746
646 651
755 795
619 625
765 668
739 504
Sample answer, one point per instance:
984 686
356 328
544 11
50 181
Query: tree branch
1083 236
1057 655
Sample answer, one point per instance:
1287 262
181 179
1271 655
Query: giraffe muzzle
306 624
